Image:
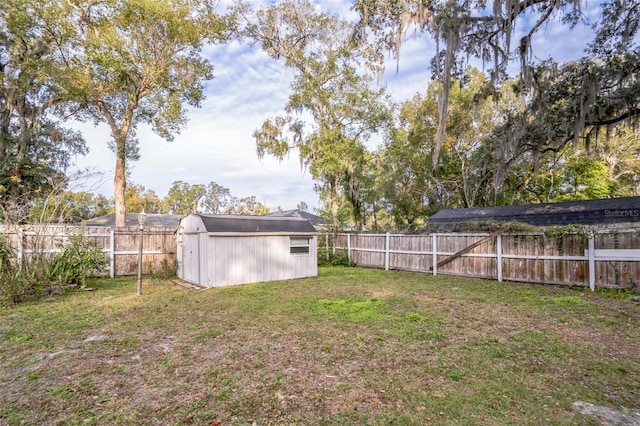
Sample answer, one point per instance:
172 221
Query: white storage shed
221 250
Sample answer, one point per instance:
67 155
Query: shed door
190 257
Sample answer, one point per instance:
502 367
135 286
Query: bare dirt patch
607 416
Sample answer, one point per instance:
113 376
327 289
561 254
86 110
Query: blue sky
248 88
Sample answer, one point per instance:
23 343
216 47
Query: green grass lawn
353 346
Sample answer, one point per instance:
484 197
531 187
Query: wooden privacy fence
604 258
120 245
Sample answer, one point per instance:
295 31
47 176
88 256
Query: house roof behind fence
153 220
314 219
255 224
592 212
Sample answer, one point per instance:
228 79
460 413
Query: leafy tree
138 62
578 103
329 85
469 158
467 164
183 198
565 102
136 198
609 168
246 206
69 207
413 189
217 199
402 180
340 219
532 180
35 148
620 152
586 179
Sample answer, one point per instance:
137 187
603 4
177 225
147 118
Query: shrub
6 255
80 258
11 288
168 270
337 260
18 284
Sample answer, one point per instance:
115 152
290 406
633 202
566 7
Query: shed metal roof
256 224
591 212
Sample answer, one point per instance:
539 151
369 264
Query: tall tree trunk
333 207
120 183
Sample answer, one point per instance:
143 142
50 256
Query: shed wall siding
190 270
203 243
240 260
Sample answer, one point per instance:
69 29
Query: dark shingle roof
253 224
591 212
153 220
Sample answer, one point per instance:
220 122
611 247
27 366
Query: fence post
112 254
386 252
20 253
499 257
349 246
434 255
326 241
335 238
592 262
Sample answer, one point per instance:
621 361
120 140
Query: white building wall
241 260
